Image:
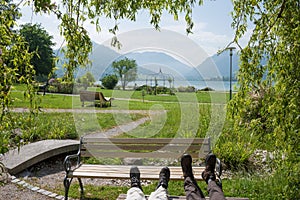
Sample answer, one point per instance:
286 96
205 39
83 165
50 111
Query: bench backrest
144 147
89 96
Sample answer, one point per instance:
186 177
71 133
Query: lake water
216 85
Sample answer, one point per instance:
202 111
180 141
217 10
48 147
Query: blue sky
212 29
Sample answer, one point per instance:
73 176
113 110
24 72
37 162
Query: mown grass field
187 115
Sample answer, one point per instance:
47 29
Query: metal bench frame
142 148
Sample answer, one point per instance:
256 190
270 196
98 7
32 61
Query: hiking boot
186 165
210 164
135 177
164 177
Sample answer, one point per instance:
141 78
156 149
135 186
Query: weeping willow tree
267 105
14 57
72 14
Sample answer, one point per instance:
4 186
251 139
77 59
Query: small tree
126 70
90 77
87 79
109 81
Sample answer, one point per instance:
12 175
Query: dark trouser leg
215 192
192 190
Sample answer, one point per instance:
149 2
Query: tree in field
126 70
39 42
109 81
87 80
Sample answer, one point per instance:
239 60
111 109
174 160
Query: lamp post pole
230 76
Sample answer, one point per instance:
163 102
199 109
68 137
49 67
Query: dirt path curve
83 110
111 132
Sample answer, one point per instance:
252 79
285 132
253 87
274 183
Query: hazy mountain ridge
150 62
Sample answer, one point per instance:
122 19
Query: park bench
96 97
41 88
146 150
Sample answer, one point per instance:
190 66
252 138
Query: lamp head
231 48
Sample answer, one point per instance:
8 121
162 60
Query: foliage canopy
267 104
109 81
39 42
126 70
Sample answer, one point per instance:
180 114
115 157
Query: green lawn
72 101
187 115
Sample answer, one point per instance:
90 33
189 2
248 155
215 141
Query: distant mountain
101 58
218 66
150 62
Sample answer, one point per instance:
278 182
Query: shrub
52 89
206 89
186 89
109 81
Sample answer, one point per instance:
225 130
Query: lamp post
230 78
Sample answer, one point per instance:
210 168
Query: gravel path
84 110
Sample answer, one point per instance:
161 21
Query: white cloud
210 41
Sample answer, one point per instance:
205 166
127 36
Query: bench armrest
74 157
68 162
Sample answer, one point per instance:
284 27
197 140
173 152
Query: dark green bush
109 81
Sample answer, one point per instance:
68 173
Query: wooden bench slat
146 140
118 154
140 147
122 172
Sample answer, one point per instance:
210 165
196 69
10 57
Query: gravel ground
14 192
48 175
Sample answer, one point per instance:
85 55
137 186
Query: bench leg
67 183
81 187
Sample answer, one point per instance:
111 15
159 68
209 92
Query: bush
52 89
109 81
206 89
143 87
59 86
186 89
